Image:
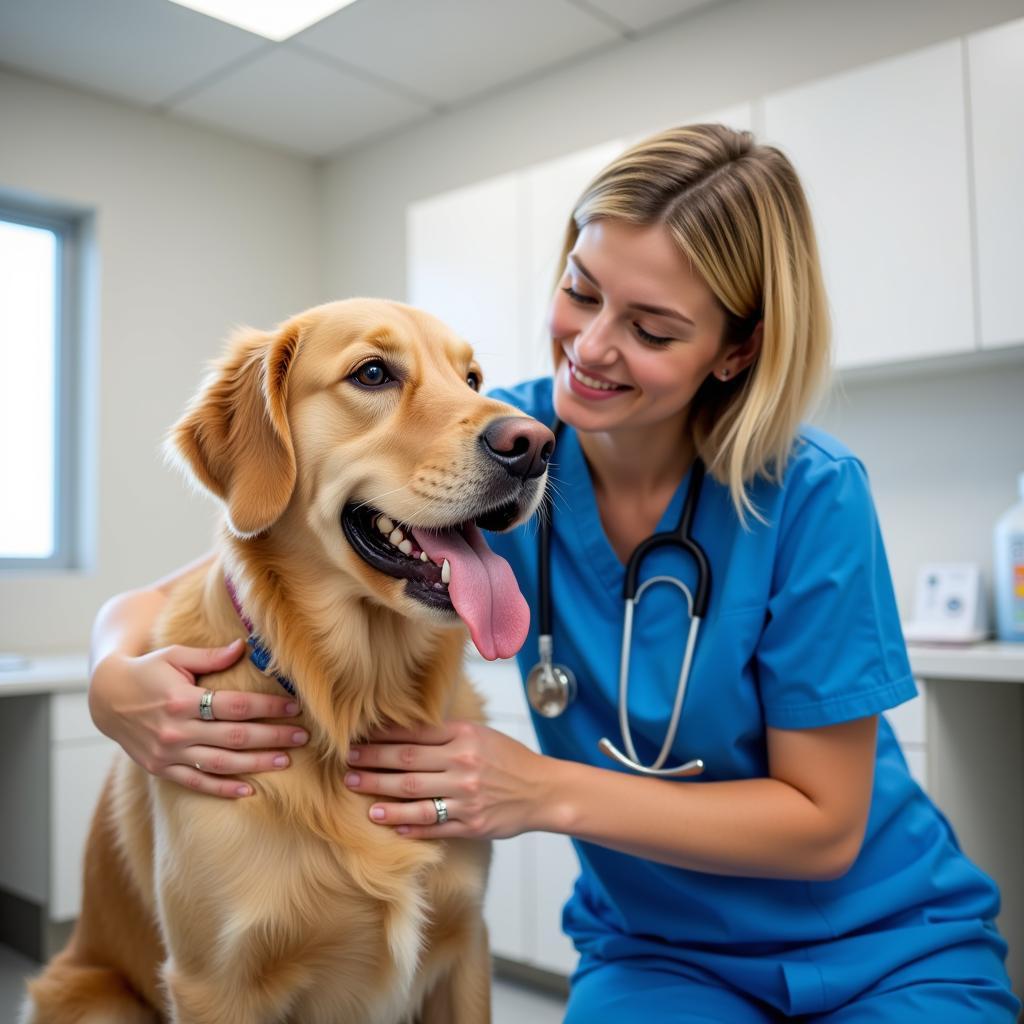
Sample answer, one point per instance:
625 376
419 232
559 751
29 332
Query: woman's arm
806 820
125 623
149 702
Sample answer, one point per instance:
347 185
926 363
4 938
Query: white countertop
48 673
988 662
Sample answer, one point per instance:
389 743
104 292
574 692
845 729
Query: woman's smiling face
634 330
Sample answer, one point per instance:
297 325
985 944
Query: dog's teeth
446 572
385 525
396 537
405 547
423 557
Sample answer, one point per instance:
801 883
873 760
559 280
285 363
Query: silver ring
199 767
442 810
206 706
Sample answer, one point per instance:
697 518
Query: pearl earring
724 374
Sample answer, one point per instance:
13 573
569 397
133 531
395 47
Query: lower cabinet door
508 908
78 772
555 868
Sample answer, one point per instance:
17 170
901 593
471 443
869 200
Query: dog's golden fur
291 905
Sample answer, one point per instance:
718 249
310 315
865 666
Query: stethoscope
552 688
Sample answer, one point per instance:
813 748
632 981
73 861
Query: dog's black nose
520 444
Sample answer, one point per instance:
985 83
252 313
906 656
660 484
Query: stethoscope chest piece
550 688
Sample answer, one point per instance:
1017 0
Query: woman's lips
588 391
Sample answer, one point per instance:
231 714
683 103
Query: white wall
195 232
943 452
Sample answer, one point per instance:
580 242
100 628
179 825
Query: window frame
67 227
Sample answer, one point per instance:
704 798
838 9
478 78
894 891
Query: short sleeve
832 647
534 397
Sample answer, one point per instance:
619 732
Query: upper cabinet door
995 69
550 191
463 251
881 152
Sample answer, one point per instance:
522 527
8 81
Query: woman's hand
150 706
491 784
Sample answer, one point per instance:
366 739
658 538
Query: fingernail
291 708
243 791
299 737
402 830
377 813
353 755
280 761
352 779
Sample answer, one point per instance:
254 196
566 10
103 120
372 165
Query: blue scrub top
802 631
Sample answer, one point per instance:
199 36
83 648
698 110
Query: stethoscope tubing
563 679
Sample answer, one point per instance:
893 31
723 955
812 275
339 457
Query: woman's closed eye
578 297
588 300
654 339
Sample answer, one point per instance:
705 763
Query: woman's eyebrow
643 307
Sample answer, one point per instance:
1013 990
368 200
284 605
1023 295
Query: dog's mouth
450 569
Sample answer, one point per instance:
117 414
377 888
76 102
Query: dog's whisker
383 494
557 497
426 505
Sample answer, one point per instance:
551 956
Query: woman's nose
594 345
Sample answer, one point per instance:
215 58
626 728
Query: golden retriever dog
352 421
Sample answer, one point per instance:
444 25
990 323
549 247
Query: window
38 423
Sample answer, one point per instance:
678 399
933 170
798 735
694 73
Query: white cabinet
550 191
465 254
996 75
531 875
908 722
882 153
507 908
555 868
80 758
885 153
54 762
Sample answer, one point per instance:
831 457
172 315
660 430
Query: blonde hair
737 212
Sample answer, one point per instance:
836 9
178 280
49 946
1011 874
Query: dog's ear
234 437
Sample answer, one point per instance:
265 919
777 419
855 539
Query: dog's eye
372 374
473 380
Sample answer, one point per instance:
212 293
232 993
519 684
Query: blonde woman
804 873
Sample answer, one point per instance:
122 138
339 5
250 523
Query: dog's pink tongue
483 589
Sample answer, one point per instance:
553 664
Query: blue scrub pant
965 983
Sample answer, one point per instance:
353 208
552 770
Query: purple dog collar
259 655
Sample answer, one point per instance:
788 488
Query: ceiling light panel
272 19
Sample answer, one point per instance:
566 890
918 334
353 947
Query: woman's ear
234 437
742 354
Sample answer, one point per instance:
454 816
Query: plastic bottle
1008 571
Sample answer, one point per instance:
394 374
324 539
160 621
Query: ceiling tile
642 14
451 50
299 102
140 50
